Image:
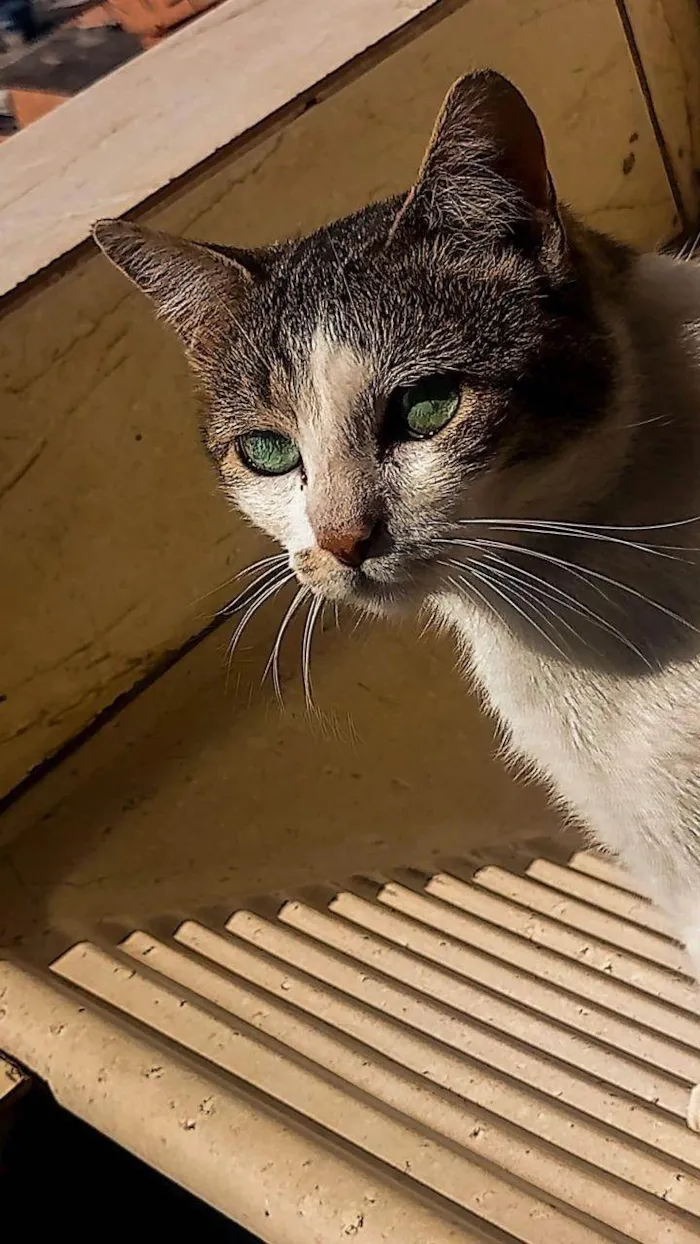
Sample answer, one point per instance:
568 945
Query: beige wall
111 530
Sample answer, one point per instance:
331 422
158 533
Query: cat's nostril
350 547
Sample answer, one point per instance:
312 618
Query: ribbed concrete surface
498 1052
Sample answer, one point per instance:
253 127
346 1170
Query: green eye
269 453
428 405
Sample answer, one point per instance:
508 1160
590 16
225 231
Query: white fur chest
565 725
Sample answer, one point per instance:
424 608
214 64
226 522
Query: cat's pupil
269 453
429 405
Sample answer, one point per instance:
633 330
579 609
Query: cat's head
439 356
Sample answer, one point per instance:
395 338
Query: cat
462 399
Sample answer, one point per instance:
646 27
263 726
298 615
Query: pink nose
350 546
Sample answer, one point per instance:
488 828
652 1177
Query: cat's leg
693 1111
673 885
691 937
678 897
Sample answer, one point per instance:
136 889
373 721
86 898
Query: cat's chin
381 600
383 591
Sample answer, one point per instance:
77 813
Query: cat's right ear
195 288
485 171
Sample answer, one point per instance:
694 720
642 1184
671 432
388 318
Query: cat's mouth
386 586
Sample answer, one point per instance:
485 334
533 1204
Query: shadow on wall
196 796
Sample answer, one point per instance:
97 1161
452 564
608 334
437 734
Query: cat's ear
195 287
485 167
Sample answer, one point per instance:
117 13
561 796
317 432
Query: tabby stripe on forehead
336 378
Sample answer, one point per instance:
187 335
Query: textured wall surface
112 534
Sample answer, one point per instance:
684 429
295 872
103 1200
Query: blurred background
52 49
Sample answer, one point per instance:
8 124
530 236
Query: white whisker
264 594
472 572
508 598
580 572
573 570
277 560
577 606
461 584
538 596
555 528
274 658
534 522
251 590
662 420
314 609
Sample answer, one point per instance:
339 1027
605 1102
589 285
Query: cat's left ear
195 287
485 168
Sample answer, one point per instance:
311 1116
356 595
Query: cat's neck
633 482
659 414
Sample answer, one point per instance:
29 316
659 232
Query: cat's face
418 364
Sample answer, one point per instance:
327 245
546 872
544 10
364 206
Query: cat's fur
580 367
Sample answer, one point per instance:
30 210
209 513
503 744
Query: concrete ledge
257 121
246 63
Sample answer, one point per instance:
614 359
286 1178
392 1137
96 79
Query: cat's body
621 756
621 746
464 401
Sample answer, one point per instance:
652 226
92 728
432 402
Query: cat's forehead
329 284
351 312
334 378
357 285
318 319
334 369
